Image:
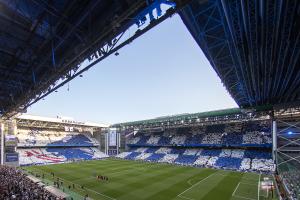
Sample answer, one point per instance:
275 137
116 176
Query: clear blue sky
164 72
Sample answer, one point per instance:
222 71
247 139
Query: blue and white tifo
245 147
44 140
239 145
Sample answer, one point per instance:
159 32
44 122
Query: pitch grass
134 180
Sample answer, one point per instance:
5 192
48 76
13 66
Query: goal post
266 189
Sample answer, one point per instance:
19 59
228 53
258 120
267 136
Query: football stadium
251 152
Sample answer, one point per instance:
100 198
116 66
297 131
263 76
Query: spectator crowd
221 135
16 185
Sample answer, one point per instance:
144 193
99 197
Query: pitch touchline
101 194
196 184
86 188
243 197
185 197
90 190
258 187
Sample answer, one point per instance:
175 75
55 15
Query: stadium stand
233 159
291 180
36 138
246 135
43 146
289 173
235 146
40 156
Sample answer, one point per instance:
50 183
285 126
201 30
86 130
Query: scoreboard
10 141
11 157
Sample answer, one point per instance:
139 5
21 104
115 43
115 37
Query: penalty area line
196 184
236 189
239 196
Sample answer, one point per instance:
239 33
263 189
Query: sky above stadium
164 72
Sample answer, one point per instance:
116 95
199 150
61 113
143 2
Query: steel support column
118 142
274 137
106 143
2 143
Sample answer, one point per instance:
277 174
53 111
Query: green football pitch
133 180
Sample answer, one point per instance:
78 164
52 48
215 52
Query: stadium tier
235 146
40 156
233 159
236 135
47 146
42 138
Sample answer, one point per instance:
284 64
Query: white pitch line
244 197
101 194
250 179
196 184
248 183
133 169
121 172
238 185
90 190
86 188
184 197
258 187
189 182
236 189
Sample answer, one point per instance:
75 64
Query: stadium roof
66 121
43 43
186 116
254 46
225 114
